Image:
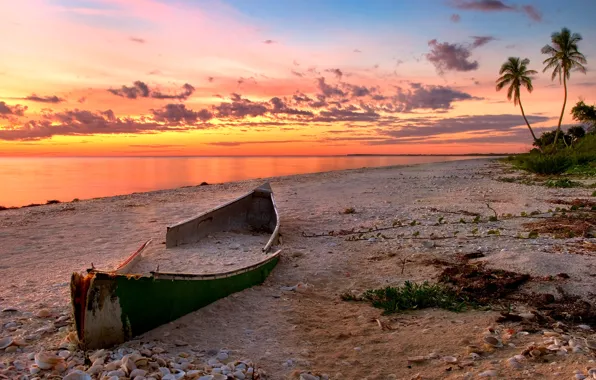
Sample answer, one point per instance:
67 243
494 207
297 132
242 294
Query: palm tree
514 72
564 58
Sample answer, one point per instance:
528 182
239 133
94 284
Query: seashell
112 366
557 341
64 354
178 374
432 355
219 376
474 356
449 359
207 377
98 354
553 347
492 341
551 333
45 360
77 375
519 358
417 359
5 342
95 369
590 343
10 349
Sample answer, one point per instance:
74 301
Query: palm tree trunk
562 111
530 128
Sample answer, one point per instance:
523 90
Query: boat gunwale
189 276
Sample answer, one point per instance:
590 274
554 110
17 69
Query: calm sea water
36 180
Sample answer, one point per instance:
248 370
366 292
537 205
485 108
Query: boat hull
119 307
111 307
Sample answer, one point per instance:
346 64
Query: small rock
222 356
11 349
117 373
64 354
44 313
584 327
77 375
9 310
308 376
489 373
428 244
513 363
180 343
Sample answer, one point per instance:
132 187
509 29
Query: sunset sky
271 77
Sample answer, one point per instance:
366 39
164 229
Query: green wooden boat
111 307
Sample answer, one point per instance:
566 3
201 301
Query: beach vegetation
515 74
411 296
564 57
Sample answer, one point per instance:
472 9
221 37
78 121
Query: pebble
222 356
44 313
77 375
11 349
489 373
513 363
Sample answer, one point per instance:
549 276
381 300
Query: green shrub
564 182
412 296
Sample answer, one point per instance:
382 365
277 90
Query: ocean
25 181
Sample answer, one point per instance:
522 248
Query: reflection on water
37 180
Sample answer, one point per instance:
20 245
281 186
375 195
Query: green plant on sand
411 296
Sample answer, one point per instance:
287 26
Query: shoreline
75 200
311 329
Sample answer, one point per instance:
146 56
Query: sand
222 252
288 332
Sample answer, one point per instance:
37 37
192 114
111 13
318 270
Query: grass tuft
411 296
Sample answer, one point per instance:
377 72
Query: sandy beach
287 333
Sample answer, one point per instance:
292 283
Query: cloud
450 57
44 99
238 143
483 5
280 107
359 91
139 89
427 97
336 114
455 18
137 40
329 90
80 123
269 42
156 146
179 114
481 40
298 74
357 51
187 91
240 108
532 12
498 6
337 72
16 110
